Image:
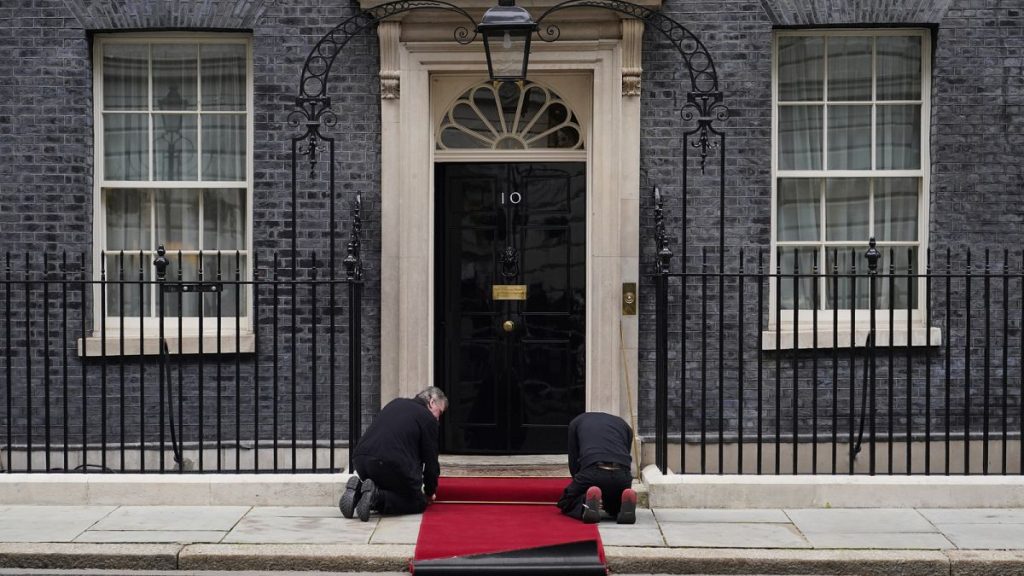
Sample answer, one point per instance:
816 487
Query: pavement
864 541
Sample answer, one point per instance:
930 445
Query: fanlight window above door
509 116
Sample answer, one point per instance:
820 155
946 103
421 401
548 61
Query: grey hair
433 393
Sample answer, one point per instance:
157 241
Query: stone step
546 465
553 465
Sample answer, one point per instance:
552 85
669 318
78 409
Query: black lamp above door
507 30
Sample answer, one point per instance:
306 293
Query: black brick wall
976 186
46 205
46 195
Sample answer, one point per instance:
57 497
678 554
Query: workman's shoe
348 501
592 506
367 497
627 512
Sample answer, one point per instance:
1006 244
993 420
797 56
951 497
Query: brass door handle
508 325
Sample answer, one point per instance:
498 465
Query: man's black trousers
611 483
398 491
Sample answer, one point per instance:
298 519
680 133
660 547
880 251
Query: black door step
573 558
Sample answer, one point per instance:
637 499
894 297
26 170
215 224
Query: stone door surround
596 64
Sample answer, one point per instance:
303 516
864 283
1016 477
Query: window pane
224 219
125 76
899 67
174 147
798 205
179 303
455 138
174 76
797 284
125 146
849 68
801 68
127 214
226 263
897 282
177 219
223 77
223 147
800 137
842 290
846 209
896 209
899 137
132 264
849 137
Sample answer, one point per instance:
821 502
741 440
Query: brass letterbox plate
508 291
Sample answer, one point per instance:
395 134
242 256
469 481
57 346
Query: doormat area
487 516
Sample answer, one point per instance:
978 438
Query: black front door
510 292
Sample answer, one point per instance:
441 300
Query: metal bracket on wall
629 298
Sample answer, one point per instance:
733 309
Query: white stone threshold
664 490
826 491
173 489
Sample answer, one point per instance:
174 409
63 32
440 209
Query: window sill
829 338
230 343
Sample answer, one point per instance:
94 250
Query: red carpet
519 490
491 516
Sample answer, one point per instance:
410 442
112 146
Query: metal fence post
160 263
872 256
354 275
661 345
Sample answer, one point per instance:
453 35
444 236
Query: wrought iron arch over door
702 107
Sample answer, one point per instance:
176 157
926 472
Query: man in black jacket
396 460
600 463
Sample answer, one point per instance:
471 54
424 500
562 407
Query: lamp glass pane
508 51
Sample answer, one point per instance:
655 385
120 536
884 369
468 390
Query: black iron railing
876 361
155 366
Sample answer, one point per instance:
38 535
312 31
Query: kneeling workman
600 463
396 460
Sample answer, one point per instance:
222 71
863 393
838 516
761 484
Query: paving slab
880 540
986 563
645 532
305 511
732 535
645 518
49 523
973 515
858 521
745 561
985 536
311 557
151 536
91 556
746 516
203 518
397 529
299 530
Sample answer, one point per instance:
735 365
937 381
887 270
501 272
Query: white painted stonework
826 491
585 66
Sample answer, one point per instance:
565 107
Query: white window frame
802 335
144 340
